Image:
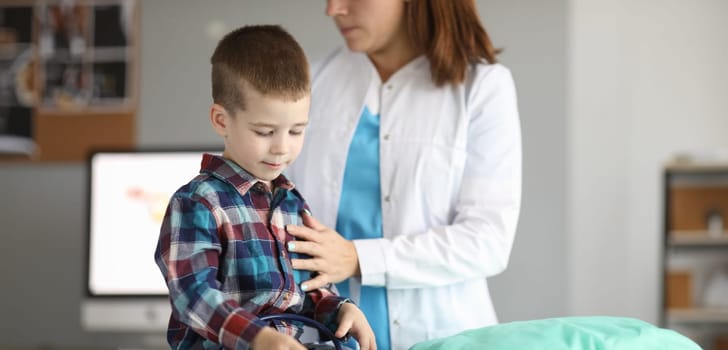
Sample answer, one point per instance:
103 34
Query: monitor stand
146 318
149 342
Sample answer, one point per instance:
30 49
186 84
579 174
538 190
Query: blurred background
609 92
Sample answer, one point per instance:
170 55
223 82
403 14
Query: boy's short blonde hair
264 57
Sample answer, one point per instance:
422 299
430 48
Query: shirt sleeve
323 306
188 255
478 241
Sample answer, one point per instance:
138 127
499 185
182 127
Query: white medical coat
450 168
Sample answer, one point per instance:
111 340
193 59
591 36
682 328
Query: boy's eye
263 132
296 132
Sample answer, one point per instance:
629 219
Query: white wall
647 79
533 36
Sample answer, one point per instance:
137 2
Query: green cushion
566 333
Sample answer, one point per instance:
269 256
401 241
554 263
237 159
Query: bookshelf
80 69
695 251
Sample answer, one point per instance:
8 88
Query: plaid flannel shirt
222 252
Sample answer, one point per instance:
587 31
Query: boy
222 243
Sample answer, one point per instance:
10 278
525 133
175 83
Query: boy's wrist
240 327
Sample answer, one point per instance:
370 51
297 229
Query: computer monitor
128 192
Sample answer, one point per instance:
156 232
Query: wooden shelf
696 238
698 315
695 198
697 167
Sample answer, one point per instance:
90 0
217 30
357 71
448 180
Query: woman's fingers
311 222
336 259
308 264
320 281
304 247
303 232
332 256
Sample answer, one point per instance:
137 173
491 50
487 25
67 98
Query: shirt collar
230 172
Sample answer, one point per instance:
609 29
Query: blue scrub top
360 215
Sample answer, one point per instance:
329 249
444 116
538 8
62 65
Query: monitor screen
128 196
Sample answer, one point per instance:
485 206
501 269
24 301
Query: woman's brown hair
451 35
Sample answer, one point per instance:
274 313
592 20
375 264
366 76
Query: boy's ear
219 119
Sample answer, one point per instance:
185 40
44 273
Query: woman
414 145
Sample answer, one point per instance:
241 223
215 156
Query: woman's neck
392 58
386 67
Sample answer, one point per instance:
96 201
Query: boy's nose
279 146
336 8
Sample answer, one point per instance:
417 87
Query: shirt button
386 137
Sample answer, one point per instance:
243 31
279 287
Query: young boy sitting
222 245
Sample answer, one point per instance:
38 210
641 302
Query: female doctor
413 156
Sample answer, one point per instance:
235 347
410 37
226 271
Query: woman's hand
332 256
352 321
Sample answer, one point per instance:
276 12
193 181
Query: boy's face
267 136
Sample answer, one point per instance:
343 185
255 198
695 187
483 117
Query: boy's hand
269 338
352 321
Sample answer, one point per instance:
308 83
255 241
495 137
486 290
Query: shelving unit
695 252
76 63
697 239
698 315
